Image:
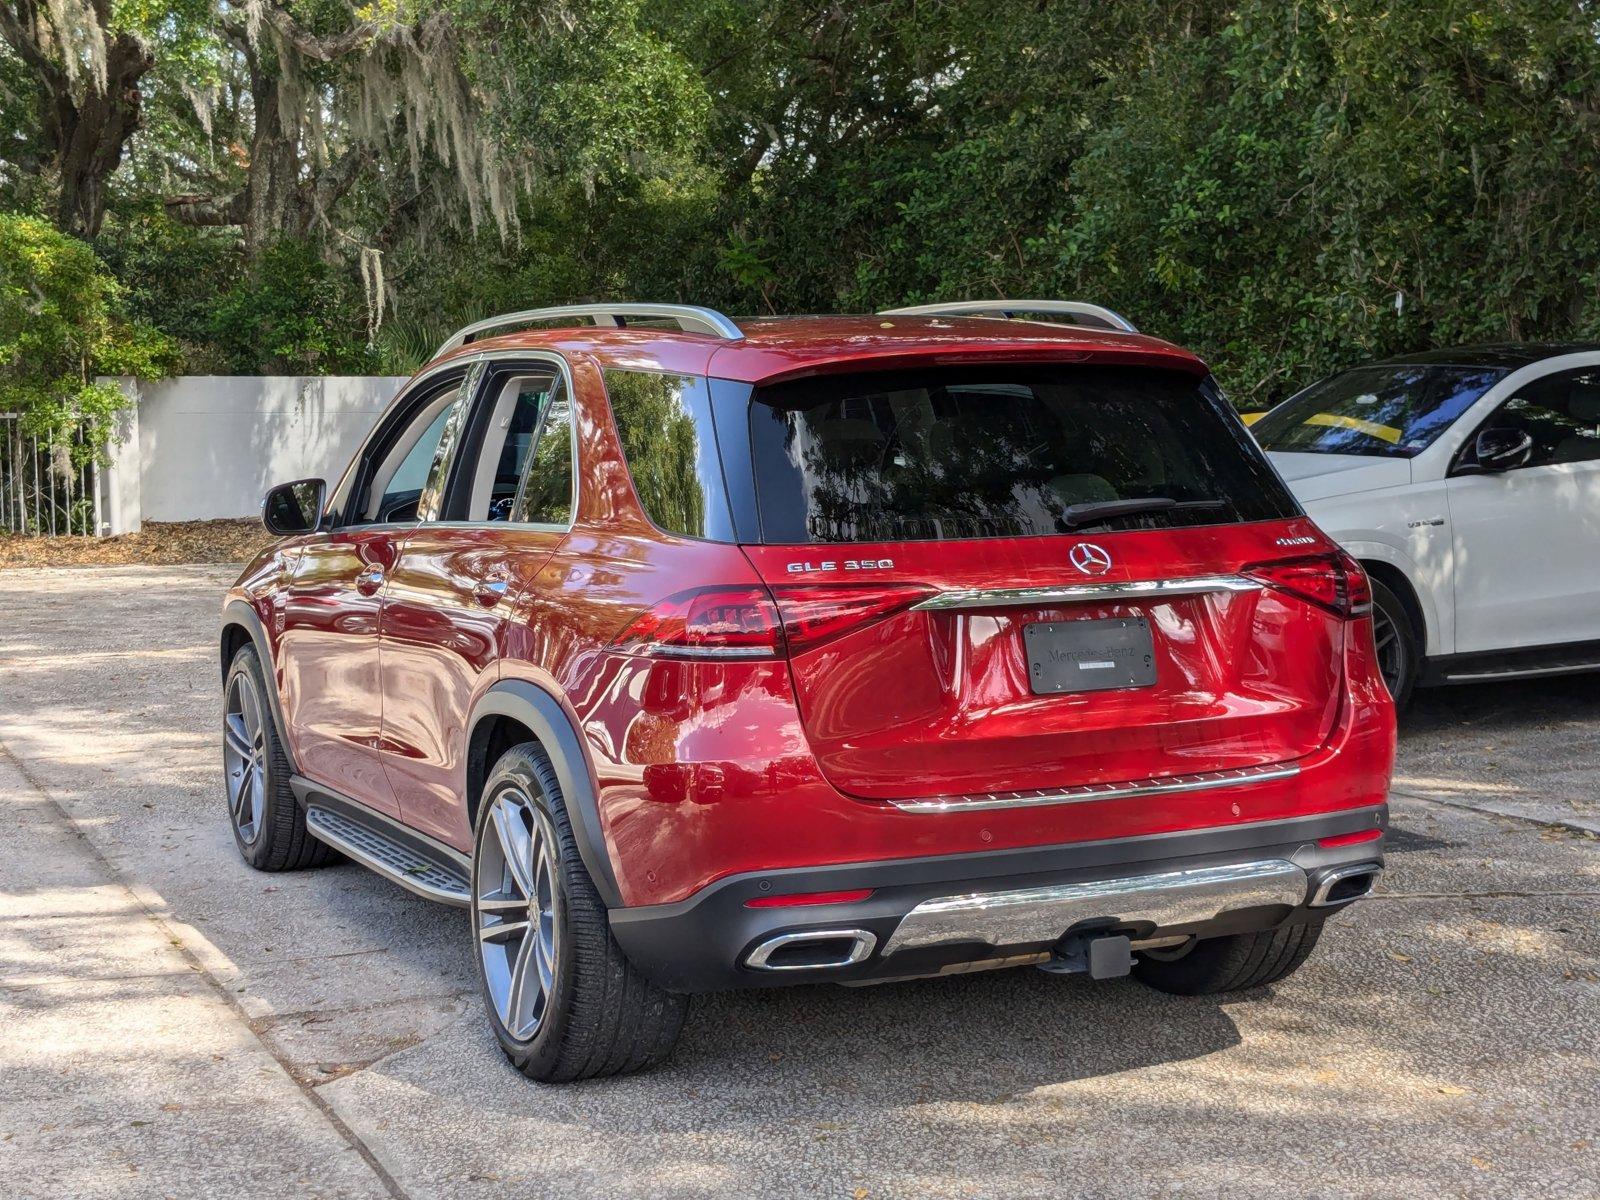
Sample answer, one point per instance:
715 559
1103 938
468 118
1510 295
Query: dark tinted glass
1393 411
665 425
1000 452
1560 413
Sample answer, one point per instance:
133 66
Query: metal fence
43 492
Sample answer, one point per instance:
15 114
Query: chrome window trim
1086 793
1045 914
1078 593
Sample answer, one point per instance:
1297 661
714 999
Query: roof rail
689 318
1082 312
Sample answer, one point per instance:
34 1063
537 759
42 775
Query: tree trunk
91 140
272 200
82 126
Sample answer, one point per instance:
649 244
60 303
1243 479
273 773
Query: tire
1233 963
1398 642
268 825
594 1013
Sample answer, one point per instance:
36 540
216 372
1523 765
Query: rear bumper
955 913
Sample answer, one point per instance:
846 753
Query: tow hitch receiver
1101 957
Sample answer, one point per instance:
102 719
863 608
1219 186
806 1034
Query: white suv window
1561 413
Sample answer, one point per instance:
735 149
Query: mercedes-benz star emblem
1089 558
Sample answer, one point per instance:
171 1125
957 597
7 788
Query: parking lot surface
172 1023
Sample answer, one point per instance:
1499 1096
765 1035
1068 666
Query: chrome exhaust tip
813 950
1341 885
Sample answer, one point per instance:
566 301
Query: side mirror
292 508
1498 450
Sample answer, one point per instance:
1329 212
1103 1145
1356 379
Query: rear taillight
814 614
717 622
745 622
1335 582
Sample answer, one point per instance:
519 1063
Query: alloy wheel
244 752
1391 648
515 911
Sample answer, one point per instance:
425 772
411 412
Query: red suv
690 654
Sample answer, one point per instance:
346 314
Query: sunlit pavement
172 1023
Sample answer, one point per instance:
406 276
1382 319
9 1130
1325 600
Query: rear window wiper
1109 510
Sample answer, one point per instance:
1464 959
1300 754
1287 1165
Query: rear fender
530 705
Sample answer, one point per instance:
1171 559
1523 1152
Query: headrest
1583 402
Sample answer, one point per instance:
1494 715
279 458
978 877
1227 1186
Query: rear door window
950 453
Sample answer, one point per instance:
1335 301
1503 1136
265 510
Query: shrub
63 321
294 313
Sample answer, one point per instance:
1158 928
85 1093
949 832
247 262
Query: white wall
211 445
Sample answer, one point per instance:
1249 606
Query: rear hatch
1030 578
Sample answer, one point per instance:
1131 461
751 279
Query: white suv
1467 482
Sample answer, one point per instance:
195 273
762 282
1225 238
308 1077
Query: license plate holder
1106 654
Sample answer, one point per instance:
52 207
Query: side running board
404 856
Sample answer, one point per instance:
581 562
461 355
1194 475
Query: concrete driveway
172 1023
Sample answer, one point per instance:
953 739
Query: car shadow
1511 704
978 1038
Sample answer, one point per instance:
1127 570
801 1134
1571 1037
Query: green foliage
62 323
173 276
1287 187
294 313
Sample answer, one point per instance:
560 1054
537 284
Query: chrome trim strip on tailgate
984 801
1046 914
1078 593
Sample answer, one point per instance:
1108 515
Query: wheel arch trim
1396 560
531 705
239 614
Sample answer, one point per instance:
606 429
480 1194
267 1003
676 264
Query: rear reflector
802 898
1335 582
1350 839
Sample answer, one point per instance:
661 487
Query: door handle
491 591
370 579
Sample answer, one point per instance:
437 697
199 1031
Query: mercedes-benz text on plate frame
1089 656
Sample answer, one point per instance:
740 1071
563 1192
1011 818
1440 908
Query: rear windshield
1392 412
957 452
